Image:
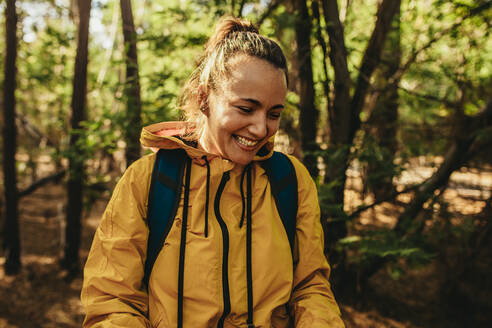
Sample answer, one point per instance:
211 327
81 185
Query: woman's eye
244 109
274 115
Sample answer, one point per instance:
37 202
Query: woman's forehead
251 75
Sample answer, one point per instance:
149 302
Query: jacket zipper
225 255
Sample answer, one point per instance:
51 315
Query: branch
241 6
429 97
109 51
437 37
455 158
322 43
33 131
339 111
41 182
271 7
338 50
458 154
386 12
484 117
363 208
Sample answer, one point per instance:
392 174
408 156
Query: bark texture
465 145
382 123
344 117
308 116
344 120
11 234
132 85
70 259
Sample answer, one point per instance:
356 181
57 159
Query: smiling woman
207 268
243 113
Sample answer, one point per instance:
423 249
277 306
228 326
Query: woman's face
244 110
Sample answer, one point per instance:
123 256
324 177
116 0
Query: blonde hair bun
227 26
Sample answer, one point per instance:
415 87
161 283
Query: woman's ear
203 100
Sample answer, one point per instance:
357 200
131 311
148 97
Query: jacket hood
169 135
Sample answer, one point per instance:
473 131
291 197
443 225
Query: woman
233 103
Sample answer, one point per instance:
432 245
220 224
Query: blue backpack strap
283 181
163 201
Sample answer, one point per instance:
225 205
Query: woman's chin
241 160
242 157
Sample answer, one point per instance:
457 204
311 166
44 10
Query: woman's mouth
246 142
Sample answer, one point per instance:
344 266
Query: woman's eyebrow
253 101
258 103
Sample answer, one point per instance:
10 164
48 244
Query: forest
389 107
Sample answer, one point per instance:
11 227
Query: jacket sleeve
112 291
312 304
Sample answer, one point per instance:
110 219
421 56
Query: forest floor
40 296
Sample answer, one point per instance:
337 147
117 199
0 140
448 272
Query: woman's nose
258 127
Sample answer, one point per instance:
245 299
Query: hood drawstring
182 245
249 274
207 195
242 197
248 209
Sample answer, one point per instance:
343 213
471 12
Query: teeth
246 142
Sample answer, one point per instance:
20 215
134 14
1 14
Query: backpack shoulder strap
283 181
163 201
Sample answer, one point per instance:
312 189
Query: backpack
165 192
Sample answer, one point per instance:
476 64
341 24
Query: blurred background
389 107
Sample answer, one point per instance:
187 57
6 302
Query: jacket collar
169 135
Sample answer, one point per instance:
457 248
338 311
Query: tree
132 85
472 136
308 114
70 259
382 122
344 116
11 226
468 137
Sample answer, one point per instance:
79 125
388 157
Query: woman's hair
232 36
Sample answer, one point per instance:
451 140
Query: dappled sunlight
4 323
58 313
392 98
466 193
30 259
371 319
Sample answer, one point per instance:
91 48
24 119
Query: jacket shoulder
140 170
303 176
143 164
136 180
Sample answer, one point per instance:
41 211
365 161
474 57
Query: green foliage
385 243
454 70
329 208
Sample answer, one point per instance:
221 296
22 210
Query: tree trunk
461 150
70 259
324 48
132 85
339 117
11 233
383 120
344 120
336 158
308 116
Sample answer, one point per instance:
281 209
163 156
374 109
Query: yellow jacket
113 294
